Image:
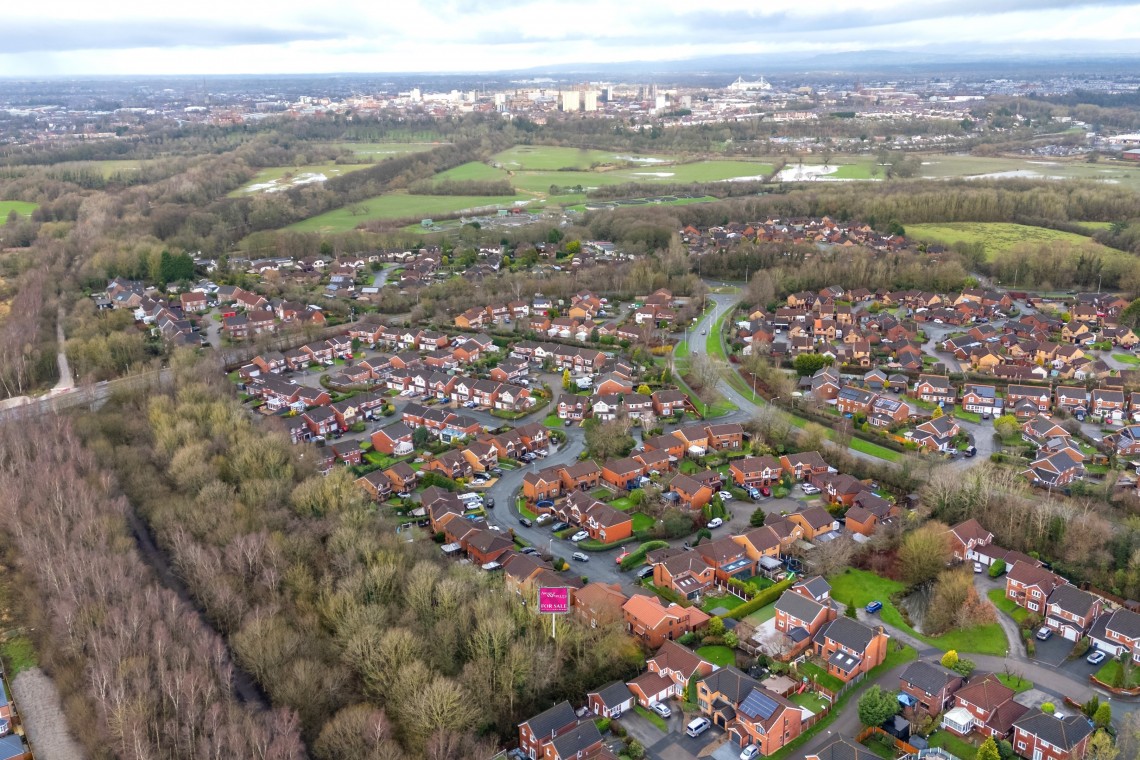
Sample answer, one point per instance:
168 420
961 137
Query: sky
140 37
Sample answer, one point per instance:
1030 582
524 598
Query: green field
874 449
860 587
23 208
399 206
999 237
1107 171
276 177
473 170
548 157
384 149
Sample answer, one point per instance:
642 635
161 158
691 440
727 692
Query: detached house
800 618
677 664
1039 735
687 573
1071 611
755 471
966 536
536 733
804 465
935 389
930 687
1117 632
850 648
649 620
748 712
984 705
1030 586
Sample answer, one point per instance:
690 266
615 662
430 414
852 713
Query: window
1021 745
1033 606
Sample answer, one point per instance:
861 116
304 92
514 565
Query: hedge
762 599
594 545
637 556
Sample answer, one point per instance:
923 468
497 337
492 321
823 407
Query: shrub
762 599
950 659
997 568
637 556
603 724
1048 708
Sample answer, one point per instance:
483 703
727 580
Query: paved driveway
1053 652
679 746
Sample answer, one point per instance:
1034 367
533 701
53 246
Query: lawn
713 344
961 414
1008 606
399 206
623 503
23 208
860 587
552 158
473 170
681 350
386 149
960 748
652 717
874 449
641 522
762 615
552 421
999 237
19 655
1114 673
820 676
280 177
728 602
1122 358
810 700
1014 682
877 743
718 655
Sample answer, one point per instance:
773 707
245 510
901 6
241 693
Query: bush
1048 708
603 724
762 599
997 568
637 556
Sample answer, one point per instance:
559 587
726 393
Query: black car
489 503
645 572
559 526
528 550
972 451
525 522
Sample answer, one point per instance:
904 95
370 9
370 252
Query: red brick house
800 618
728 559
850 647
755 471
804 465
599 604
1030 586
687 573
931 686
984 705
537 732
652 623
725 437
691 493
935 389
678 664
966 536
1046 737
1071 611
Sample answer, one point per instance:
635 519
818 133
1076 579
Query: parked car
753 494
874 607
972 451
528 550
751 752
1044 634
697 726
526 523
1096 657
765 491
724 495
662 709
704 332
489 504
809 489
978 568
581 556
645 572
581 535
716 522
559 526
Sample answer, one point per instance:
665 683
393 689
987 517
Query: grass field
23 208
641 521
552 158
1122 358
284 176
875 450
999 237
399 206
1107 171
762 615
860 587
717 655
385 149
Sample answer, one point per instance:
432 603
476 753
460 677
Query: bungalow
850 648
1040 735
650 621
931 687
755 471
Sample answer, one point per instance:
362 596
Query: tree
1048 708
1006 426
936 413
950 659
635 750
715 626
809 364
704 371
876 706
1101 747
849 610
758 517
1103 715
421 437
997 568
643 389
566 379
607 440
924 553
988 750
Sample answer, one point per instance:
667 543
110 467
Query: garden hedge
762 599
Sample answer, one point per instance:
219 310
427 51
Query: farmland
398 206
949 166
550 158
278 178
23 208
999 237
379 150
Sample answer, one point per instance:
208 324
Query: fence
899 744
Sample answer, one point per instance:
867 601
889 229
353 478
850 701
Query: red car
765 491
620 557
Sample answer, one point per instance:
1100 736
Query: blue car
874 607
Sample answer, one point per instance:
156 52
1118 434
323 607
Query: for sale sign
554 600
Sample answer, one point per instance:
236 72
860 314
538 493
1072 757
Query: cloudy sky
288 36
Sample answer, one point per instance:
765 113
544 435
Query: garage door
1070 633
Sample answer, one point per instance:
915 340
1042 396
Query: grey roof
573 742
546 723
1065 733
732 683
614 694
850 633
798 606
1124 622
816 585
927 676
844 749
1071 599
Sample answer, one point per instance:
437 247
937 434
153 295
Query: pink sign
554 600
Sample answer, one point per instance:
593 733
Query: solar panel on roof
759 704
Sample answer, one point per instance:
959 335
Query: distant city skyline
131 37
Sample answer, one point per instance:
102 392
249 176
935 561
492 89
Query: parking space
679 746
1055 651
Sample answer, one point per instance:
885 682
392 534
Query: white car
662 709
697 726
716 522
724 495
751 752
579 536
809 489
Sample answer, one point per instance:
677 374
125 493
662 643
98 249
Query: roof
1072 599
651 683
816 585
817 517
673 656
614 694
732 683
798 606
985 691
1065 733
849 633
844 749
546 723
1030 575
927 676
1125 622
596 594
971 530
761 705
572 742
